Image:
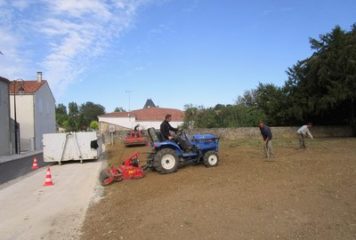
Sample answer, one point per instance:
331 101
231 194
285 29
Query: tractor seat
159 136
155 135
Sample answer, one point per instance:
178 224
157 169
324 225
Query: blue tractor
168 155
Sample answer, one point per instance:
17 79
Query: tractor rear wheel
211 159
166 161
105 178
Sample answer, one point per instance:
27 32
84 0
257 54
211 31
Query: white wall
131 122
156 125
125 122
24 114
36 116
45 114
4 119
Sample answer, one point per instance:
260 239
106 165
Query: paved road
31 211
17 168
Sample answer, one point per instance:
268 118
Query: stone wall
254 132
277 132
104 127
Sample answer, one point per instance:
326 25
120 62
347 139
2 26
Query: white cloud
80 8
70 35
53 27
12 64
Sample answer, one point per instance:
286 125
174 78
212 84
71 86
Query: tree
322 87
248 99
190 115
223 116
89 112
119 109
78 118
61 109
73 109
206 118
73 122
271 100
94 125
61 114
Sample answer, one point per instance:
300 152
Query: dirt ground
301 194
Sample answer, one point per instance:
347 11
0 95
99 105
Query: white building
146 118
5 136
35 111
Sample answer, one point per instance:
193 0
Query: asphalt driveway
31 211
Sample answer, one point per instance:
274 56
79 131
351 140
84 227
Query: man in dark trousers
267 138
304 131
166 128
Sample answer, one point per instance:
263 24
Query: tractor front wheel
211 159
166 161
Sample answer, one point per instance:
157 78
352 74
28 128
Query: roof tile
29 87
150 114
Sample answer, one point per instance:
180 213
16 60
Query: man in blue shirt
267 138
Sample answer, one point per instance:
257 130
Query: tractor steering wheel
179 132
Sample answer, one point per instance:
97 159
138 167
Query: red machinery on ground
129 169
135 138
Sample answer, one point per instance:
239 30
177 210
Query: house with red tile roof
146 118
35 111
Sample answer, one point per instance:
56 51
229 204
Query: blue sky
176 52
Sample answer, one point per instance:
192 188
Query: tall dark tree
119 109
222 116
73 109
323 86
78 118
271 100
61 114
89 112
320 88
190 115
248 99
73 123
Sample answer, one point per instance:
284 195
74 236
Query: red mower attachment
129 169
135 138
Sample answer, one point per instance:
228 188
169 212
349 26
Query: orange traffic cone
48 181
34 164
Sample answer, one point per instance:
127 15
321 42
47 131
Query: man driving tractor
165 129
